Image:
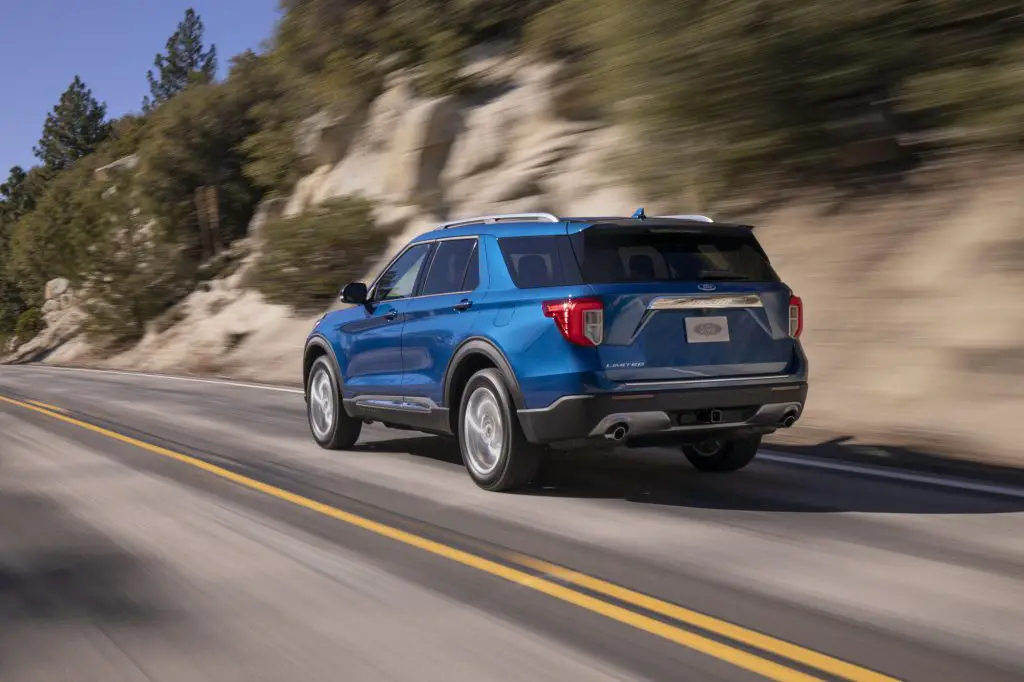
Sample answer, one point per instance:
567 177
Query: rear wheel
332 428
723 455
496 453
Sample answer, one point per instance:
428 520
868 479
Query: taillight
796 316
581 320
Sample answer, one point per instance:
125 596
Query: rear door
685 302
440 317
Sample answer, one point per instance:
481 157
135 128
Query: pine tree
15 201
75 127
183 63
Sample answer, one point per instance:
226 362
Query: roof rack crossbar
502 217
699 218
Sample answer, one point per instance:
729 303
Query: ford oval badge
708 329
705 286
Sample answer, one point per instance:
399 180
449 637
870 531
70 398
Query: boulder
419 152
61 327
56 287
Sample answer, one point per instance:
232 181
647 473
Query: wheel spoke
483 431
321 405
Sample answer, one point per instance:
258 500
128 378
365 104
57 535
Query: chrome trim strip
696 302
386 402
564 398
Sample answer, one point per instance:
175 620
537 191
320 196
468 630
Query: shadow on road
664 477
55 569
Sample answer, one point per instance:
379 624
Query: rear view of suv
521 334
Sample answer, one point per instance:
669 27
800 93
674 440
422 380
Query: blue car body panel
402 350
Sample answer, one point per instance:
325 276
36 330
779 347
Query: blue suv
526 333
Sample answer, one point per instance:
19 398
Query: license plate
707 329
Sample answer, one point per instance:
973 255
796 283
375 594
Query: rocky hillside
878 151
913 322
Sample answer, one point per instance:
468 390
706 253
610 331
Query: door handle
464 304
391 315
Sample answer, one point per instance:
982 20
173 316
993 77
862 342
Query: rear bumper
665 416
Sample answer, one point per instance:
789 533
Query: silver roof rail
502 217
699 218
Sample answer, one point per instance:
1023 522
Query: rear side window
449 269
616 255
544 261
472 279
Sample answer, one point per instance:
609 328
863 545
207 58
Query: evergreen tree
183 63
15 201
75 127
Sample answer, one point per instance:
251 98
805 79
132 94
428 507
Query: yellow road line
47 406
738 657
719 627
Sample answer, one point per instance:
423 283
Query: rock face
62 319
513 146
323 140
419 151
56 287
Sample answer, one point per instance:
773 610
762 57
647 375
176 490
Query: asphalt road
165 529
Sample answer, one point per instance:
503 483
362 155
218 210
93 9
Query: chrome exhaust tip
616 432
790 418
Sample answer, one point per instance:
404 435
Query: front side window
449 268
399 280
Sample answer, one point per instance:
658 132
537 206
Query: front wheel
496 453
722 455
332 427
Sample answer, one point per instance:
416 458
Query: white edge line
895 474
196 380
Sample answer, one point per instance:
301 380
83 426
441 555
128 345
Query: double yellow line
543 579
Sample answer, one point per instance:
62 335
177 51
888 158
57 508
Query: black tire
343 431
518 459
734 454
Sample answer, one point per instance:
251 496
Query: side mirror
354 292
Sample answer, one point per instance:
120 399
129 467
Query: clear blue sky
110 44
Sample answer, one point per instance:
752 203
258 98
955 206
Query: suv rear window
545 261
613 254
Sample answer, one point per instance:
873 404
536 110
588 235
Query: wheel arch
317 346
470 357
